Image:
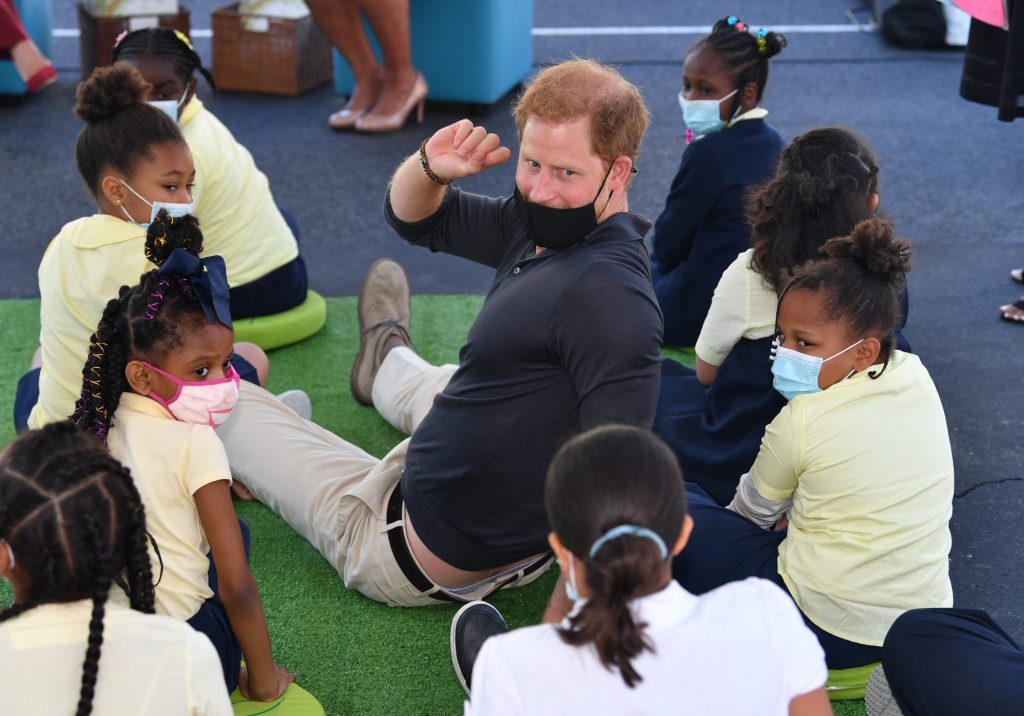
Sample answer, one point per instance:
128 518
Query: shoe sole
878 698
357 365
451 647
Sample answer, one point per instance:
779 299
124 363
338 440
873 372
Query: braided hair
861 276
743 53
172 45
821 188
610 476
120 127
145 322
72 515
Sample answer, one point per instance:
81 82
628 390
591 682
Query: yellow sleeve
728 318
205 459
779 462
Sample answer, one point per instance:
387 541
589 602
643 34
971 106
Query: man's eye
569 172
532 164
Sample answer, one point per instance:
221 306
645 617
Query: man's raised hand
462 149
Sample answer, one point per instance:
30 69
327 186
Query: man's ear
866 354
113 190
619 175
138 377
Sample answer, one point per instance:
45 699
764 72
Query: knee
257 358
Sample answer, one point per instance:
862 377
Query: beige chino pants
329 491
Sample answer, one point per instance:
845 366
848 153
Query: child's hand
265 692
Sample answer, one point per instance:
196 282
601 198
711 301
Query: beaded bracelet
426 167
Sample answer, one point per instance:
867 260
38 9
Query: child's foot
1013 312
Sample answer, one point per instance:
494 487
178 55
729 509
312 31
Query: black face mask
559 228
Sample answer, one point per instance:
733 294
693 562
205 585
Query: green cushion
685 355
848 683
282 329
295 702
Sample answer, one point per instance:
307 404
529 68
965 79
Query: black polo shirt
565 341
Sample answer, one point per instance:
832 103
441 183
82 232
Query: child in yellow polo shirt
858 463
133 160
157 382
240 219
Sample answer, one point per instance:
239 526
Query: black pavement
952 180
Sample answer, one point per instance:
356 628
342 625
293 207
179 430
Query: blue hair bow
208 278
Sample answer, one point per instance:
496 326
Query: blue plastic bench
37 17
470 51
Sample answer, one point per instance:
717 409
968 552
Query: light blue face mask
703 116
570 583
170 107
175 210
797 373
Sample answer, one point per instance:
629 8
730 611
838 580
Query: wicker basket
96 42
291 57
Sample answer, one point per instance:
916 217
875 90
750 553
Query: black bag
915 24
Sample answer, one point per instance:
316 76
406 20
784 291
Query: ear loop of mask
121 206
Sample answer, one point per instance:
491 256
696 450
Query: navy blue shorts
27 394
727 547
280 290
212 620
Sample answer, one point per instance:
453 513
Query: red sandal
43 78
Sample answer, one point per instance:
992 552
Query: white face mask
175 210
703 116
170 107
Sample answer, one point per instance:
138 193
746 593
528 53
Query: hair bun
167 233
874 245
773 44
109 91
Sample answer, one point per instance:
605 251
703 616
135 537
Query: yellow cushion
282 329
296 701
848 683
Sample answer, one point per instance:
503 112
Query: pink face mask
205 402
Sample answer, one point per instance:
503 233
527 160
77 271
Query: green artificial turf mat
354 655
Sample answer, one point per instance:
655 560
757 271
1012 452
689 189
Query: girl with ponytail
157 382
73 544
635 641
855 473
133 162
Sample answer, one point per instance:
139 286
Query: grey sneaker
472 625
298 401
383 312
878 698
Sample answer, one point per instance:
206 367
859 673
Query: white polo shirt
149 664
740 649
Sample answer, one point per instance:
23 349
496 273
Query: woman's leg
339 20
390 22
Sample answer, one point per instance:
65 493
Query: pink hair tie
741 26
